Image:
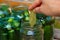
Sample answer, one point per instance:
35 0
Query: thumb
37 10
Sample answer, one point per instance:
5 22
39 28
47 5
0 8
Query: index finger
35 4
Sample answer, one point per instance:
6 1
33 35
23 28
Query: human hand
47 7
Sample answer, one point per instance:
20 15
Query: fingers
41 9
37 10
35 4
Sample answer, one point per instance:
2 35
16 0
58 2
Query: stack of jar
21 24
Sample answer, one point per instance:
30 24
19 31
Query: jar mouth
21 7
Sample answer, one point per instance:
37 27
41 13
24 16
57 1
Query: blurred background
15 3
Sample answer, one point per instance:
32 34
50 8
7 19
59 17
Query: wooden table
14 3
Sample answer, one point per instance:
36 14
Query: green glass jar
9 24
48 25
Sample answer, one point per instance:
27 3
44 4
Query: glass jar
47 25
34 33
9 23
48 28
30 29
